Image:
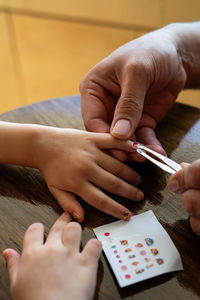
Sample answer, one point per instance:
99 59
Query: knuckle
35 227
189 202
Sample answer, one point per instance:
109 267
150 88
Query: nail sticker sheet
138 249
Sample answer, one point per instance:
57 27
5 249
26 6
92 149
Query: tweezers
167 164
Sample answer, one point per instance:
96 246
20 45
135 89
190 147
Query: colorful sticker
149 266
147 259
159 261
135 263
117 256
127 276
128 250
120 261
142 252
115 251
131 256
123 268
149 241
154 251
139 271
138 245
124 242
113 247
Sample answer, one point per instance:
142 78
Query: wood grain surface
24 199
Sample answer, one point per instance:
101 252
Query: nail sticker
139 271
154 251
149 266
127 276
131 256
115 251
124 242
142 252
135 263
149 241
128 250
123 268
159 261
113 247
138 245
117 256
120 261
106 233
147 259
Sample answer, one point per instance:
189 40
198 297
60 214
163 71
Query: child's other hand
74 162
187 182
55 269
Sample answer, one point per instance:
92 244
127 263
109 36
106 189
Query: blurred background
46 46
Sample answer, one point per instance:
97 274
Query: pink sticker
142 252
117 256
115 251
120 261
123 268
106 233
127 276
147 259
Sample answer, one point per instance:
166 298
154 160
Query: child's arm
73 162
55 269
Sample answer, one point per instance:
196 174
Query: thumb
129 108
12 259
187 178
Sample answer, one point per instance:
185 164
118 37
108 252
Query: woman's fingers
195 224
95 197
106 141
69 203
34 237
115 185
118 168
56 231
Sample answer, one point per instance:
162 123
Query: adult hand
187 182
55 269
132 89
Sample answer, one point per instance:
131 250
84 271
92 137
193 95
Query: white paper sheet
138 249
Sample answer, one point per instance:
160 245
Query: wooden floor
47 46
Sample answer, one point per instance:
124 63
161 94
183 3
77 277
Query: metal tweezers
167 164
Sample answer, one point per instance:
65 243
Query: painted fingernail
174 185
126 216
135 144
76 217
122 128
139 196
5 255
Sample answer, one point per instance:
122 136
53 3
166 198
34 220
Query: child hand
187 182
55 269
74 162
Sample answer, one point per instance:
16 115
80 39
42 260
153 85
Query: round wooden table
24 199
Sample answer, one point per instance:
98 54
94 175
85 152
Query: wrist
186 38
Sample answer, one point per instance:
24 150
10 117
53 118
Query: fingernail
138 180
122 128
135 144
76 217
126 216
140 196
5 254
174 185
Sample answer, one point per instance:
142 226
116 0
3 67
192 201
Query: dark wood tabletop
24 199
